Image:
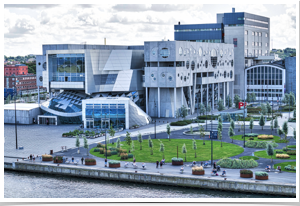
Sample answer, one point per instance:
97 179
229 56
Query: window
246 32
214 58
206 64
253 43
252 33
234 42
164 52
256 43
187 64
259 44
246 43
266 34
266 44
256 33
259 34
193 65
246 52
180 51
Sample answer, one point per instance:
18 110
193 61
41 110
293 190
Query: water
31 185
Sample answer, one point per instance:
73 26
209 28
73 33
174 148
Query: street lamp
272 112
16 113
244 108
105 139
155 120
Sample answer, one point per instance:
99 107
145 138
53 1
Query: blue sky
27 27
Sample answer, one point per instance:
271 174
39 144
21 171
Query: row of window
13 69
20 87
210 40
256 44
256 33
188 30
254 20
26 82
265 90
254 52
106 106
230 25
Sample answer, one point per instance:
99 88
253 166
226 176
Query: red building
23 82
18 69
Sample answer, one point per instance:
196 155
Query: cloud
30 6
153 7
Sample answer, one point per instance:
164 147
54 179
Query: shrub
99 145
124 156
289 167
259 144
265 136
253 110
197 169
251 138
108 152
261 174
175 159
101 151
237 163
58 158
123 151
279 151
114 152
89 160
114 162
291 146
179 123
282 156
130 155
251 135
291 152
246 172
112 149
96 150
46 156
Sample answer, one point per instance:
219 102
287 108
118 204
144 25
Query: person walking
33 157
72 159
215 165
82 160
157 162
105 162
134 160
30 156
161 163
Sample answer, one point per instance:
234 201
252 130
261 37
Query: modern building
23 83
186 73
290 66
24 113
77 72
249 33
18 69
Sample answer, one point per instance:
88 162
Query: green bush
291 152
251 135
99 145
114 162
209 117
253 110
289 167
130 155
175 159
96 150
124 156
279 151
89 160
291 146
179 123
101 151
237 163
58 158
108 153
261 174
292 120
259 144
114 152
246 172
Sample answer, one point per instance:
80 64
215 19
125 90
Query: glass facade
67 67
101 116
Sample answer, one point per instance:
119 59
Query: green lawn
263 154
291 146
239 137
248 158
203 151
283 164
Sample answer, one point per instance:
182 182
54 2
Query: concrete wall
23 116
158 178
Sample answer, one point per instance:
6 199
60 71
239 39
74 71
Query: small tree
184 151
262 121
251 124
168 131
111 131
220 123
230 133
8 98
294 133
86 145
285 130
269 108
201 108
208 108
249 98
183 111
132 146
228 101
178 114
264 109
220 136
270 151
271 126
221 105
292 99
253 97
150 144
191 130
195 147
140 139
228 117
294 113
275 124
232 124
280 132
162 149
237 99
128 139
118 144
77 143
202 133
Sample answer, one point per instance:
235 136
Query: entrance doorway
47 120
90 124
105 123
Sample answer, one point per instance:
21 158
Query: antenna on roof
104 40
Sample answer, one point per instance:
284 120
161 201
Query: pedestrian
105 162
33 158
82 160
30 156
215 165
72 159
56 159
133 160
157 164
47 122
161 163
201 163
40 157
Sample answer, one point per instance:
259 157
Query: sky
28 26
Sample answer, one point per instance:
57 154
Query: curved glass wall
67 67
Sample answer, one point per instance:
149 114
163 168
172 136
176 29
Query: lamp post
105 139
16 113
155 120
244 108
206 114
272 111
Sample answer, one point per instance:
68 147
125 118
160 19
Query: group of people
160 163
268 168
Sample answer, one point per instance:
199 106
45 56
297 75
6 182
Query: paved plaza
40 139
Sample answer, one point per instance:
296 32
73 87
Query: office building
17 69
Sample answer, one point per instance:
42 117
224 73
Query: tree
294 113
269 108
202 133
8 98
201 108
184 151
228 100
168 131
86 145
111 131
140 139
270 151
178 114
150 144
220 136
264 109
275 123
285 130
294 133
220 123
220 105
286 98
237 99
118 144
251 124
132 146
162 149
271 126
253 97
128 139
262 121
183 111
191 130
228 117
208 108
77 143
195 147
280 132
230 133
292 99
232 124
249 98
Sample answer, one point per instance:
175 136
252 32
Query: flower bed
237 163
261 175
47 158
177 161
246 173
259 144
198 171
124 156
291 152
282 156
265 136
289 167
90 161
114 164
59 159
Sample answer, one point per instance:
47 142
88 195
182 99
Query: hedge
246 172
209 117
237 163
89 160
130 155
291 152
96 150
261 174
282 156
114 162
175 159
114 152
289 167
259 144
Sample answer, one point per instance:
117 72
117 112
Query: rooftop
21 106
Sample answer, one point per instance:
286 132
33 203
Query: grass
239 137
283 164
203 151
248 158
291 146
263 154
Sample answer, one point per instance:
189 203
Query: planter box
58 161
114 165
177 163
246 175
90 163
198 172
47 159
261 177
